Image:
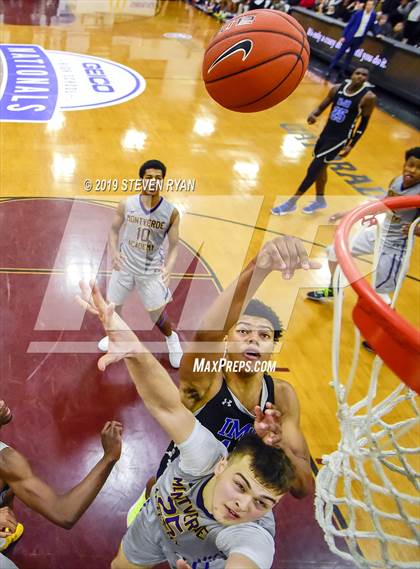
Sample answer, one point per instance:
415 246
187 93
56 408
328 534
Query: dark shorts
328 148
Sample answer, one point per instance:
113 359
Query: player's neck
247 388
353 88
149 201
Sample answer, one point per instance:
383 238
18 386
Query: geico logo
97 77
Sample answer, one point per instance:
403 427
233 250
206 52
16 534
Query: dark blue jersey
344 112
225 417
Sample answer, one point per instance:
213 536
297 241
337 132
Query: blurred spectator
398 32
244 6
308 4
383 27
412 24
404 9
360 23
344 10
329 7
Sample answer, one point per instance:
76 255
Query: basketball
255 61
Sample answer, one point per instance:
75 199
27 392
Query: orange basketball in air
255 61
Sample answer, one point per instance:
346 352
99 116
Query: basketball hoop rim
395 323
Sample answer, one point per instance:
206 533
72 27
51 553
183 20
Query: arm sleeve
249 540
361 127
200 452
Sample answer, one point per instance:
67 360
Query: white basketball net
373 476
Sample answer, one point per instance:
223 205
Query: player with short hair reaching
243 331
138 261
206 506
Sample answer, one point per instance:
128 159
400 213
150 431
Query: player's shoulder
370 95
10 461
238 539
122 205
285 394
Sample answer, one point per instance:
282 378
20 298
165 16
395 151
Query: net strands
373 477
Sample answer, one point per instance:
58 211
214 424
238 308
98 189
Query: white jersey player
138 258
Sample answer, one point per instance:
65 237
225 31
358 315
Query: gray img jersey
393 237
176 520
143 236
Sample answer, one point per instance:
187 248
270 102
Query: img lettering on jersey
233 431
176 512
340 110
37 82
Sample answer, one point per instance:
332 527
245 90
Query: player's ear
221 466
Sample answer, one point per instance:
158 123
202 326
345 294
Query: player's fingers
84 289
277 260
259 415
11 522
283 251
85 305
109 310
108 359
181 564
302 254
273 414
290 257
98 299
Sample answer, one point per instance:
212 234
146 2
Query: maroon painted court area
61 401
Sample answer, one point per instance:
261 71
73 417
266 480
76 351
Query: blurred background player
340 134
138 261
18 479
393 235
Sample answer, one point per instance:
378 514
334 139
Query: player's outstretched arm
293 442
312 117
284 254
153 384
66 509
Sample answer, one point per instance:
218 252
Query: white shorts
154 294
389 263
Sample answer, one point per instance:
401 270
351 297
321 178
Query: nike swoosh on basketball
243 45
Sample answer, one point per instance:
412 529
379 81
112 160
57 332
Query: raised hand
117 261
182 564
111 436
285 254
311 119
166 276
5 414
8 522
267 424
346 150
122 341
